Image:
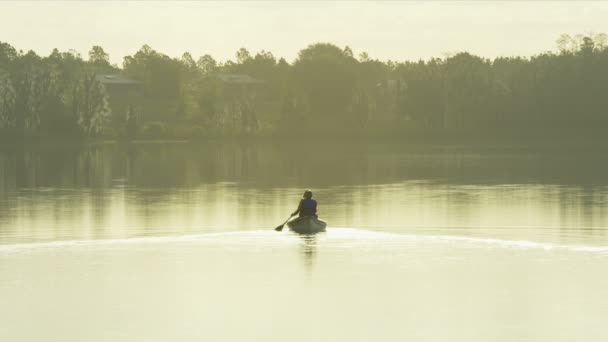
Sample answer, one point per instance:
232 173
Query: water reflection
483 243
166 165
126 190
308 250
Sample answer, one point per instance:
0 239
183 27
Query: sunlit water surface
176 243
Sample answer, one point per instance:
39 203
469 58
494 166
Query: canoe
307 225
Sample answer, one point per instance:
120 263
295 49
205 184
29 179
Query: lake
175 242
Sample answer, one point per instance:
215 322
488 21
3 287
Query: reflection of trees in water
254 179
56 167
269 165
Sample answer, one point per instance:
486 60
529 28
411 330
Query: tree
7 102
207 64
160 74
98 57
25 80
7 54
45 100
566 44
587 46
324 78
601 41
364 57
131 119
188 62
348 52
90 105
325 86
209 91
242 56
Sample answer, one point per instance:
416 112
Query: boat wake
351 237
367 235
133 240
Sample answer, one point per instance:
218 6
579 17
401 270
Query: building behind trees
326 91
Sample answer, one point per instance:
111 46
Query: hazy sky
386 29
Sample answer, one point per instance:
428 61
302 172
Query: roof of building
239 79
115 79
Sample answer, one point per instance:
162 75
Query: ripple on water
336 237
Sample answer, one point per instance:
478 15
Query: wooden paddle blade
279 228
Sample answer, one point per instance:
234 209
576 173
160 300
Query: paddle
279 228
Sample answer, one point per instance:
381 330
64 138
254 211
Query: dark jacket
307 207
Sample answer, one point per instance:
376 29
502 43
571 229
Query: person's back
307 206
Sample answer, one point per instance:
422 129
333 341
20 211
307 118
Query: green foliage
90 105
325 91
160 73
198 132
99 59
209 90
154 129
7 102
207 65
131 123
188 62
324 77
242 56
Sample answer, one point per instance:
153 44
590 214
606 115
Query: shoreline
445 141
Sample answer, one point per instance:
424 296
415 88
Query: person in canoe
307 206
308 222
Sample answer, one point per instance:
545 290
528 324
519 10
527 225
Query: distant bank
326 93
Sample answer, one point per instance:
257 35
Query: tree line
325 91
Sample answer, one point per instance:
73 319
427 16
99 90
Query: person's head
307 194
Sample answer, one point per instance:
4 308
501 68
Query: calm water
174 242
